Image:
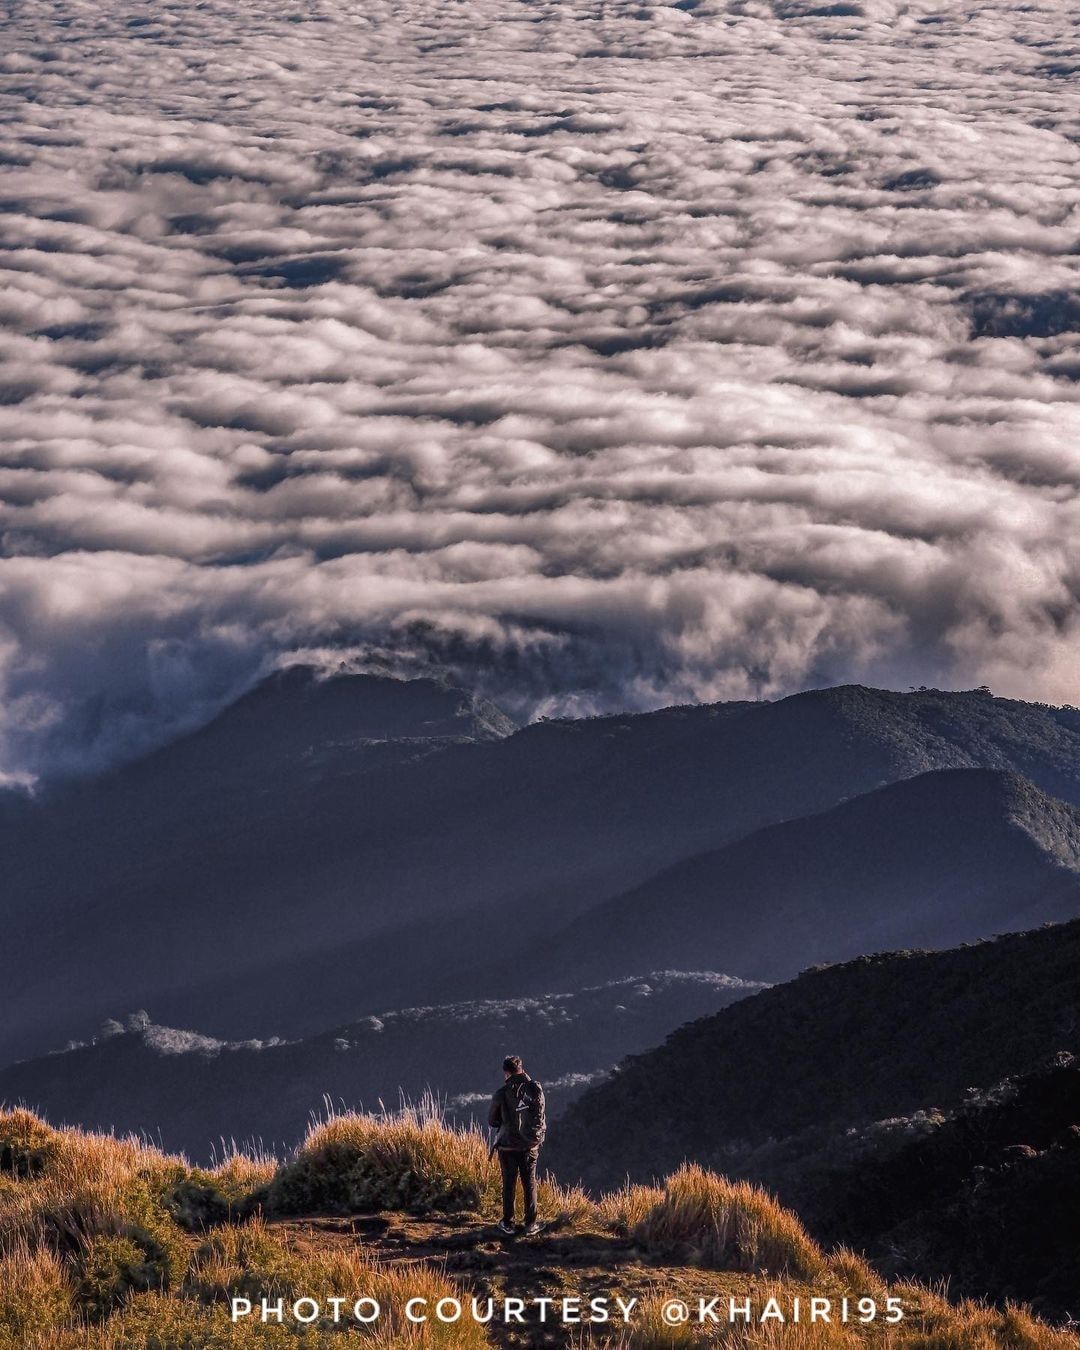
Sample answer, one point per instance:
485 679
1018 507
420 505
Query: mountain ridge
191 1089
927 861
847 1044
223 896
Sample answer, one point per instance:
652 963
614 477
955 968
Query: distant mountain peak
306 715
373 706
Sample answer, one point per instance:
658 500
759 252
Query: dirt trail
485 1264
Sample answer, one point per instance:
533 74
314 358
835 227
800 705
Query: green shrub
112 1268
196 1203
26 1144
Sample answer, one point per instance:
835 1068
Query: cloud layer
604 354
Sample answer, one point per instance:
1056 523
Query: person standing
518 1115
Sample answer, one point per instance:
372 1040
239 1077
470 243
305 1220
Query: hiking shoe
531 1229
507 1228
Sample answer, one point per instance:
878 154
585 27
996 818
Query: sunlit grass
707 1220
111 1244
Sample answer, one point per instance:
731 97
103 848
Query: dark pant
518 1162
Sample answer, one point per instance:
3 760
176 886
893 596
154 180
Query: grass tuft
407 1160
36 1291
704 1219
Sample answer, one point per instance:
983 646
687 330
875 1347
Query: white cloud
605 355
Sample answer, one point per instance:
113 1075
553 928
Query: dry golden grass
240 1174
35 1291
942 1327
74 1187
407 1160
936 1324
854 1275
254 1261
650 1332
157 1322
404 1160
707 1220
109 1244
86 1223
625 1209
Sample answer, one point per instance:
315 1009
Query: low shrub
196 1204
244 1262
112 1268
26 1144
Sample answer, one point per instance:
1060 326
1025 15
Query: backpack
525 1105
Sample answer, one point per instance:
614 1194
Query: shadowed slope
877 1037
190 1091
935 860
326 876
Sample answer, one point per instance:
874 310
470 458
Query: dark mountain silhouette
932 861
295 718
984 1199
836 1048
191 1090
329 848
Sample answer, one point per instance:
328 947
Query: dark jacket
518 1113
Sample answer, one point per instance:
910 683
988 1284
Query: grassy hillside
109 1244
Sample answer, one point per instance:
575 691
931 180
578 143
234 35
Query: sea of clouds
601 354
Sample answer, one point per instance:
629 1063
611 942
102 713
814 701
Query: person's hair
512 1064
